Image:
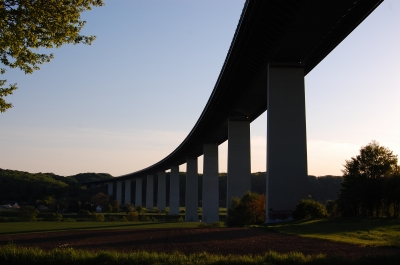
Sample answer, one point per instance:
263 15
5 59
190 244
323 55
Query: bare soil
234 241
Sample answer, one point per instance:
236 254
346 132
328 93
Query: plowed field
236 241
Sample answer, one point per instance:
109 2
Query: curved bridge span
276 44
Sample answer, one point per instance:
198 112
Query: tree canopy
371 183
26 26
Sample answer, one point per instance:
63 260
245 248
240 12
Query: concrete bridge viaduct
276 44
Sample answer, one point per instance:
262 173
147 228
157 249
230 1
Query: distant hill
28 187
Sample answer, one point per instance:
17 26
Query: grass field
365 232
12 255
32 227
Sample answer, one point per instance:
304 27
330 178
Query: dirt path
236 241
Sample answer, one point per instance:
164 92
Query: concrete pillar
149 192
127 191
162 191
210 184
192 197
239 174
286 138
174 191
138 193
119 192
110 188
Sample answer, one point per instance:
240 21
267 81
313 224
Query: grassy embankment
364 232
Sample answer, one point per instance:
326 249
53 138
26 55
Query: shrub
180 219
99 217
132 216
54 217
83 212
139 209
309 209
28 213
250 209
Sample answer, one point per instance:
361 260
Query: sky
129 99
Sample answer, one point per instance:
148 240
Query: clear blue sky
130 98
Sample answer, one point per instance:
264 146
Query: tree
100 199
28 213
309 209
364 178
26 26
250 209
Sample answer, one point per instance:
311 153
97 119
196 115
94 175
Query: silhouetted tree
365 181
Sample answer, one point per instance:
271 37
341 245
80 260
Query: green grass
32 227
365 232
10 255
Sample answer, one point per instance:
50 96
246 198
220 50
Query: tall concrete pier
127 191
286 137
138 193
174 191
119 192
210 196
162 191
110 188
192 197
149 192
239 175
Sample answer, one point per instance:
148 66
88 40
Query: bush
54 217
250 209
99 217
132 216
83 212
4 219
28 213
309 209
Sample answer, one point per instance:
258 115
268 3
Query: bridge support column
149 192
174 191
210 184
110 188
161 195
192 197
286 138
127 191
138 193
239 175
119 192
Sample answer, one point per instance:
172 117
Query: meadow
364 232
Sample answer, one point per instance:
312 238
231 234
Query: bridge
276 44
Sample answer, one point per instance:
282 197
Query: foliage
250 209
107 208
139 209
99 217
83 212
309 209
132 216
115 206
100 199
27 26
56 217
371 184
28 213
13 255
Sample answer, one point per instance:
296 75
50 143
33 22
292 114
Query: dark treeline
51 189
47 188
